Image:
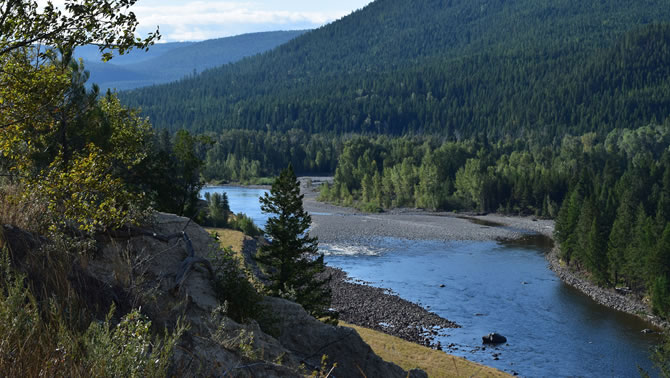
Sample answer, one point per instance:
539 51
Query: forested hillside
173 61
453 68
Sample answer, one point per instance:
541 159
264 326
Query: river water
552 329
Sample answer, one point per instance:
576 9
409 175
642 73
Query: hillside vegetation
452 68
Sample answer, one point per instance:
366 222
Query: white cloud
197 19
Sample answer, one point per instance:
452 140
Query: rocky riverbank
379 309
629 303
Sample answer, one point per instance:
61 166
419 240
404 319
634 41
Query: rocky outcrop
310 339
163 269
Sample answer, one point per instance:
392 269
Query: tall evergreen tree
619 238
292 258
566 224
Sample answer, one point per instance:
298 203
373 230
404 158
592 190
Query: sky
196 20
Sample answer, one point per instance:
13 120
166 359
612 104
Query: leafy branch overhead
107 23
58 141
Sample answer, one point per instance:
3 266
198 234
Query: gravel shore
629 303
384 311
335 224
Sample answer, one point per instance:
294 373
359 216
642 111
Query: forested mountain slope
172 61
451 67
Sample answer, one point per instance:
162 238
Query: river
552 329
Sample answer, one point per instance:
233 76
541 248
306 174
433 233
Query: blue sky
194 20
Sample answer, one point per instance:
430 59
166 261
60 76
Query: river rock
494 338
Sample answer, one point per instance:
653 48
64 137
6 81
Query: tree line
609 193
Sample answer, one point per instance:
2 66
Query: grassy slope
410 356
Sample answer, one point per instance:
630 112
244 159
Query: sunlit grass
411 356
229 238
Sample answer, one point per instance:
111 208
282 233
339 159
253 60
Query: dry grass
21 210
410 356
229 238
234 240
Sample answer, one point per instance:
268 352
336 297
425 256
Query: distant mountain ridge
452 67
173 61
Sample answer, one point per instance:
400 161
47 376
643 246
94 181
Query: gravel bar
384 311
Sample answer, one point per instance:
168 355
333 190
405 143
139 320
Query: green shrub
369 207
245 224
128 349
38 340
660 296
233 289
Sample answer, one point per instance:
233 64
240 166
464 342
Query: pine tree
219 209
619 238
566 223
292 258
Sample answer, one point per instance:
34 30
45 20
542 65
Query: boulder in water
494 338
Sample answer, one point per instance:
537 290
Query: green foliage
66 147
604 226
245 224
291 258
660 356
85 194
660 294
83 181
380 172
186 176
246 155
240 299
453 69
39 340
218 210
128 349
107 23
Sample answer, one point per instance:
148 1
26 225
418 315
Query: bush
660 297
369 207
232 286
38 340
244 223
